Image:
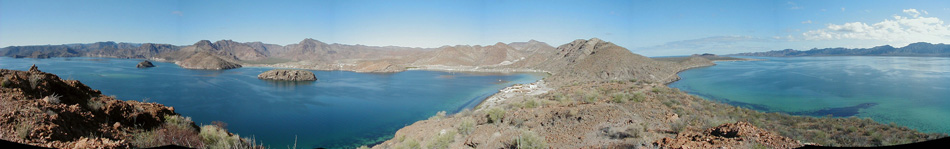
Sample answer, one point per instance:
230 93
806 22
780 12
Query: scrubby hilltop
601 95
595 60
41 109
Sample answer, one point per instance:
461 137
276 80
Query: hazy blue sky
652 28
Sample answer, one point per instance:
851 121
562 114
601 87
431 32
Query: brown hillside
205 60
594 60
41 109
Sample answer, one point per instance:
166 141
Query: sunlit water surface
909 91
341 109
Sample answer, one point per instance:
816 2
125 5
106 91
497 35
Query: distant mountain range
914 49
591 59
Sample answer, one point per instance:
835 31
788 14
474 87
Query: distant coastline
920 49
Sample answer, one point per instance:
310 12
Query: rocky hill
603 96
41 109
287 75
205 60
594 60
914 49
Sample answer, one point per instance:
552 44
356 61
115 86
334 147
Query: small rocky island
288 75
145 64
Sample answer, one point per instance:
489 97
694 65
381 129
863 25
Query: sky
647 27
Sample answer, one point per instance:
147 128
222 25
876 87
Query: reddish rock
734 135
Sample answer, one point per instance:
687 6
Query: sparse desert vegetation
658 112
41 109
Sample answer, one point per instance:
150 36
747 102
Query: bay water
908 91
341 110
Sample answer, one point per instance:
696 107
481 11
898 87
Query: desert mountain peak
311 40
204 45
500 44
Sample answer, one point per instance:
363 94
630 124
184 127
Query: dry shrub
177 130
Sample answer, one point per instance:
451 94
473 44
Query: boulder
145 64
288 75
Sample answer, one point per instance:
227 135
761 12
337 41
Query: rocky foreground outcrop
733 135
145 64
41 109
288 75
204 60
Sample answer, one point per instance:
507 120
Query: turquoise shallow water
909 91
341 109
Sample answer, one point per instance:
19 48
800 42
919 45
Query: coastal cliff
41 109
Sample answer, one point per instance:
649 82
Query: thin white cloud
178 13
912 12
793 6
899 31
842 8
806 22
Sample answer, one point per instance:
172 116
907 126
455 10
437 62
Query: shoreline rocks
145 64
287 75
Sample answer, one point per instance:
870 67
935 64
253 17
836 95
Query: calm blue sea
909 91
341 109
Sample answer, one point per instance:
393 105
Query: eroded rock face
288 75
145 64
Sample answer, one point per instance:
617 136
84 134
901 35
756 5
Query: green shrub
619 97
530 140
495 115
657 90
145 139
409 144
638 97
438 116
215 137
679 126
35 80
442 141
5 82
463 113
176 130
530 103
561 98
23 130
178 121
466 126
94 105
591 97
